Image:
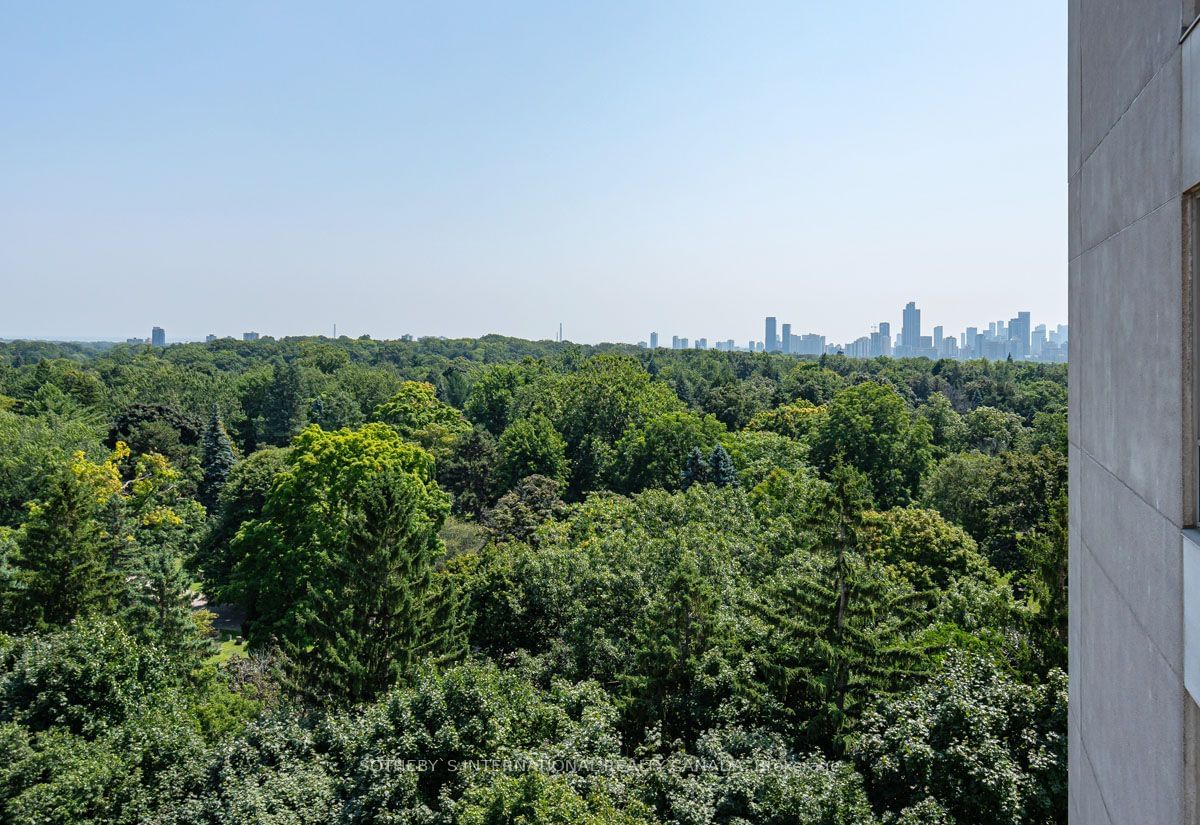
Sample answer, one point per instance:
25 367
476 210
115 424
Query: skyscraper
910 330
787 338
654 340
1018 335
770 341
158 337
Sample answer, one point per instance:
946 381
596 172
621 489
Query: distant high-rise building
1018 335
654 340
937 338
910 329
683 343
701 343
249 336
769 337
158 337
786 343
1037 340
208 339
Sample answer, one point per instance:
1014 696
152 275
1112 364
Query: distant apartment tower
158 337
769 338
208 339
910 329
787 338
654 340
249 336
701 343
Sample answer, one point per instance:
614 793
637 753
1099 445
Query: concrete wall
1130 430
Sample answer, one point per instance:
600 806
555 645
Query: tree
697 468
530 504
341 562
839 632
62 567
530 446
794 420
868 427
679 628
242 499
992 431
469 471
655 455
984 746
1044 551
282 409
721 471
946 427
418 416
217 458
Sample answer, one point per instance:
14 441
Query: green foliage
529 447
657 454
82 678
282 410
339 566
417 415
749 649
984 746
218 460
868 427
991 431
242 499
61 568
469 471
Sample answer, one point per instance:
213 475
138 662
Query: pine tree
721 471
62 568
218 459
697 469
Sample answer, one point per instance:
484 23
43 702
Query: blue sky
465 168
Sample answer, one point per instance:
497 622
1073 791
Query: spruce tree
721 470
217 458
159 607
697 469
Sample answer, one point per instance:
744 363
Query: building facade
1133 170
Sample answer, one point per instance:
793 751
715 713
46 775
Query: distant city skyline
995 339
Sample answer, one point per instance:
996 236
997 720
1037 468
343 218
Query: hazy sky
464 168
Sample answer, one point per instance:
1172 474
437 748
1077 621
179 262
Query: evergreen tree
282 409
341 563
841 632
680 627
160 603
62 567
468 472
721 471
697 469
217 458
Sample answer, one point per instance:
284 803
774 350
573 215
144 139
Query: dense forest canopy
493 580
